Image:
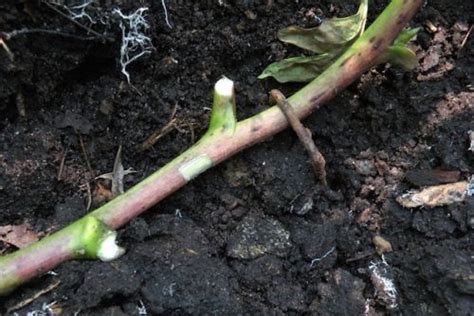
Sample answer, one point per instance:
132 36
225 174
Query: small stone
106 107
225 218
237 174
342 294
431 59
382 245
238 212
256 236
365 167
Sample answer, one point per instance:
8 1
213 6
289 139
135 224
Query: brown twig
82 26
191 131
61 166
317 159
84 153
15 33
29 300
156 135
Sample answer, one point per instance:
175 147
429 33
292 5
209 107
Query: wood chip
423 178
430 26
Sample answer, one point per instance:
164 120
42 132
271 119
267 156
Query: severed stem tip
224 87
108 249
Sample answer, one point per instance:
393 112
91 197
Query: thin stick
156 135
61 166
317 159
7 50
82 26
25 31
29 300
464 41
191 130
84 153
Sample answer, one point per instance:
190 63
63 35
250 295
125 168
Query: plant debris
116 176
329 40
422 178
317 159
433 196
19 236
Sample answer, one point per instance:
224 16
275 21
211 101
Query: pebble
256 236
365 167
382 245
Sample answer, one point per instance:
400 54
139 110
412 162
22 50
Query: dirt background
242 238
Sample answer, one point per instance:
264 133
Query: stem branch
224 138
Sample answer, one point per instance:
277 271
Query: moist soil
256 234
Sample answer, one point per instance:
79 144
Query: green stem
224 138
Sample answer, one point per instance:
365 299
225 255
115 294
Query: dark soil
238 240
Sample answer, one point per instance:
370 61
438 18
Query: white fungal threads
108 249
166 14
135 43
195 167
78 12
384 286
224 87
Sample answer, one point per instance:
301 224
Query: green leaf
329 40
333 34
297 69
398 54
406 36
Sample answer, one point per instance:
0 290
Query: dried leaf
19 236
297 69
437 195
117 174
332 34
